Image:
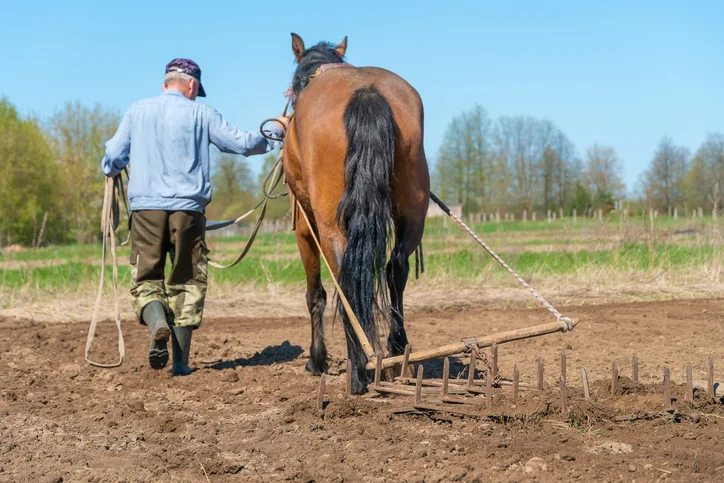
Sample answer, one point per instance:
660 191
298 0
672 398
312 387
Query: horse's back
331 91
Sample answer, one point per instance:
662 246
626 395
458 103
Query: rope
567 323
109 223
270 184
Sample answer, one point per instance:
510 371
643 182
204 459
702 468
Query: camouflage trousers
181 236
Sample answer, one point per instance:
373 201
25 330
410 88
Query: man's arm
118 147
230 139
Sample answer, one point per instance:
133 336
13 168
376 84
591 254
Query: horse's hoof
315 369
359 388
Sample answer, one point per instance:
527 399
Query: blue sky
618 73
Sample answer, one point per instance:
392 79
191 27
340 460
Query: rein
110 217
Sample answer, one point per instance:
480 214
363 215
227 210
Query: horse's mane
312 59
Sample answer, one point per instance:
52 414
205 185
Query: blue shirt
168 138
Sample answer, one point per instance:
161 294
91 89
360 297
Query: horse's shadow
285 352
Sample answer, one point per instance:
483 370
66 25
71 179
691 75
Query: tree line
51 184
522 163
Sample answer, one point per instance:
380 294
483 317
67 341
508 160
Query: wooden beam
482 342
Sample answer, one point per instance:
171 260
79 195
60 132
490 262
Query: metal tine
471 368
418 387
349 377
494 349
635 369
378 370
614 379
405 360
541 371
586 387
320 397
564 396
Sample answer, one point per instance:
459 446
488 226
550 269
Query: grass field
535 249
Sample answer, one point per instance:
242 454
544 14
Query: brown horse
354 158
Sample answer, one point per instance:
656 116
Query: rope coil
110 216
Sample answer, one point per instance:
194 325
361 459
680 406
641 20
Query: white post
548 215
574 215
525 216
533 215
676 213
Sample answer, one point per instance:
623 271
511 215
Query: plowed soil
249 411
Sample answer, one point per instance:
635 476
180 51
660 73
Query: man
168 138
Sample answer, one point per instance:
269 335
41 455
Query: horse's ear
341 48
297 46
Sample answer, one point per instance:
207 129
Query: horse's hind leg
316 298
398 269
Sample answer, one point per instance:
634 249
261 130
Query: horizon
617 75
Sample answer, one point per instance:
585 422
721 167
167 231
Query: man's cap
187 66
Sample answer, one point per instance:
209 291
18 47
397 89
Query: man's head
184 75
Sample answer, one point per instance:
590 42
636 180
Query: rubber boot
154 315
181 340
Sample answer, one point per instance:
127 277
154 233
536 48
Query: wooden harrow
461 396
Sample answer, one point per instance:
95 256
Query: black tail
364 210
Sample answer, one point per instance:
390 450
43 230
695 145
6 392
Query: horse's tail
364 210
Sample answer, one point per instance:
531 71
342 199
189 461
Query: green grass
468 263
449 253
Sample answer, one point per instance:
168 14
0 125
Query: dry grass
427 294
454 281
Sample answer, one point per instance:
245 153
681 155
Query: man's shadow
285 352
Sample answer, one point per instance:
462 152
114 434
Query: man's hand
283 121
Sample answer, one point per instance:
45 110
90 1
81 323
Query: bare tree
516 141
664 179
464 167
603 172
705 172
